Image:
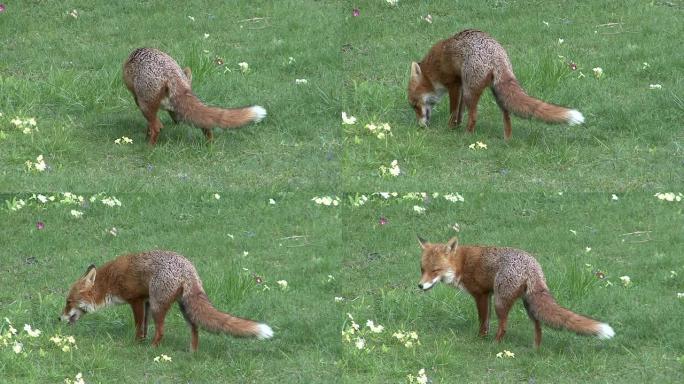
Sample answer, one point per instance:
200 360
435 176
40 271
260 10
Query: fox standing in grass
508 274
150 282
464 66
157 81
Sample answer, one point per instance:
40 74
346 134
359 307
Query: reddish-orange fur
464 66
507 274
151 282
157 82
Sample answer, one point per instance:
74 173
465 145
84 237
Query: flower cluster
301 81
327 200
26 125
77 380
421 378
598 72
381 131
39 165
282 284
408 339
348 120
124 140
162 358
65 343
506 354
244 67
393 169
478 145
454 197
669 196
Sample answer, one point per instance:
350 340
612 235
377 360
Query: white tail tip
258 112
264 332
605 331
574 117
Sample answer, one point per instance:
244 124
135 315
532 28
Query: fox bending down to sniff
156 80
464 65
151 282
508 274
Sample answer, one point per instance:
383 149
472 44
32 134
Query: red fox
156 80
464 65
508 274
151 282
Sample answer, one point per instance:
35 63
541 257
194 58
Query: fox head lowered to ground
82 297
422 94
435 265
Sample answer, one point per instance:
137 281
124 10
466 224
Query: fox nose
420 285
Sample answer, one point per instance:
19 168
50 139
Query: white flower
43 199
74 14
191 18
478 145
454 197
17 347
217 196
301 81
374 328
428 18
509 353
655 86
680 295
348 120
419 209
206 35
76 214
290 60
394 169
244 67
614 197
165 357
271 201
127 140
421 378
625 280
70 340
392 2
669 196
560 41
360 343
111 201
245 253
587 249
282 284
339 299
598 72
645 65
31 332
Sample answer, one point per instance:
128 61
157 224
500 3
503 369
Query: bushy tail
198 309
513 98
189 108
544 307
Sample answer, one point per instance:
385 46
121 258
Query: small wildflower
383 220
191 18
17 347
206 35
428 18
330 278
454 197
655 86
669 196
626 281
456 227
290 60
76 214
573 66
373 327
42 198
40 225
645 65
421 378
301 81
74 14
113 231
271 202
598 72
282 284
392 2
587 249
356 12
111 201
244 67
30 331
614 197
360 343
217 196
339 299
327 200
418 209
245 253
546 23
478 145
348 120
680 295
560 41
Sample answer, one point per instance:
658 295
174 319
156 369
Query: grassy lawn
579 198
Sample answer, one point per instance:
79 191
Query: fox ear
90 274
188 73
422 242
452 244
415 70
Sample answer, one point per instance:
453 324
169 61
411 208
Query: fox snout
71 315
426 283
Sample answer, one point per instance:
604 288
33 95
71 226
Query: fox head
422 94
81 297
434 263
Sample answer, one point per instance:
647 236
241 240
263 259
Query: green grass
547 191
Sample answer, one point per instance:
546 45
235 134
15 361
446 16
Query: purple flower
2 7
356 12
39 224
383 220
573 66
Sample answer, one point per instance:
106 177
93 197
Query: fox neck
453 275
102 292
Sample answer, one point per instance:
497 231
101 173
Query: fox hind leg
537 324
159 311
194 341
